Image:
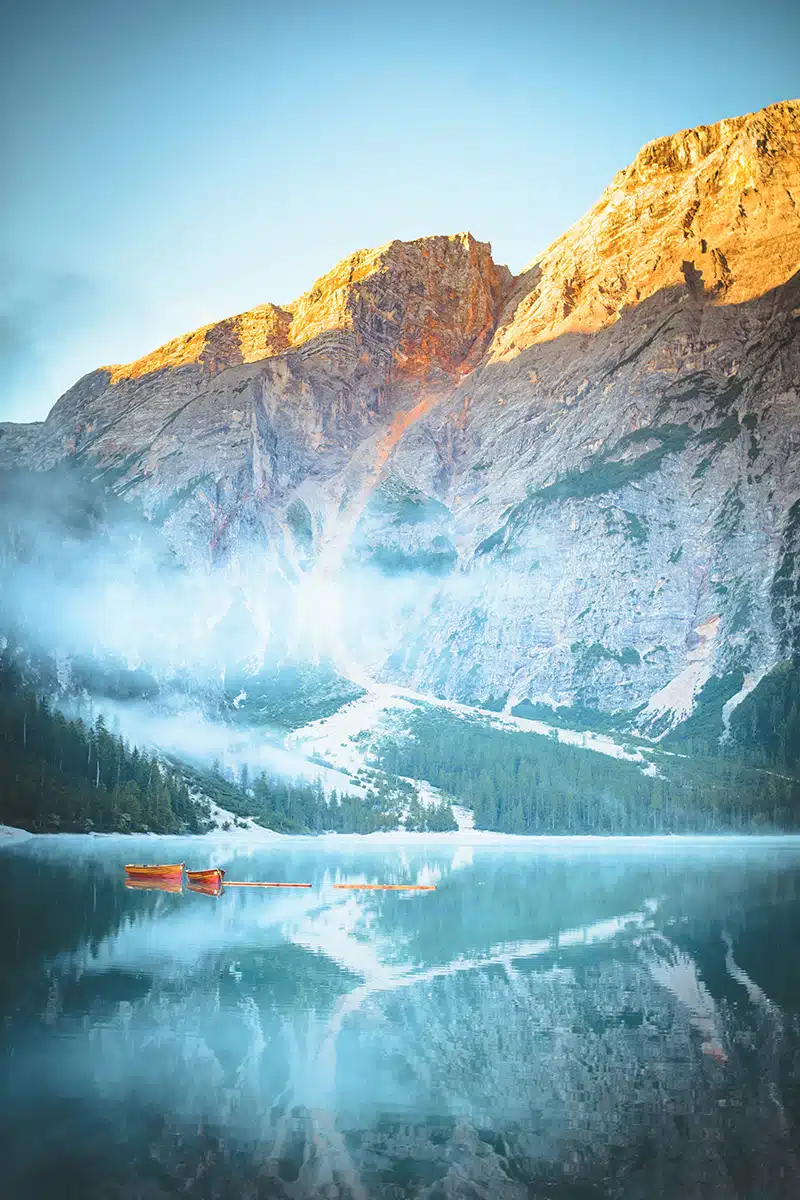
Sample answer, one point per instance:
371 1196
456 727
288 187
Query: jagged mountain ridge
629 441
217 432
593 466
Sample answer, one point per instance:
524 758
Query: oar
216 876
389 887
232 883
375 887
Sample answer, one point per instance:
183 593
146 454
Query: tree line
57 774
300 806
519 782
67 775
765 728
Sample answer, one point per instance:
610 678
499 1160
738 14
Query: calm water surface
553 1021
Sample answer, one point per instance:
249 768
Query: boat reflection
155 885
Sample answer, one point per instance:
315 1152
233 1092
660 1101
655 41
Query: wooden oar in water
388 887
234 883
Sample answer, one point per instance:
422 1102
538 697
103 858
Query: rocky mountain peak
621 471
712 211
434 301
764 132
587 476
248 409
431 303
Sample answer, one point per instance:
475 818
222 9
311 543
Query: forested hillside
763 730
62 775
526 783
58 774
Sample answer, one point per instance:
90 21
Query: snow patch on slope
749 684
9 835
674 702
247 829
336 738
343 740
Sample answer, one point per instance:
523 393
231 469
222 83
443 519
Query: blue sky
171 162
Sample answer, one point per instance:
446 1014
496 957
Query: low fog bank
210 664
89 581
213 664
191 737
85 573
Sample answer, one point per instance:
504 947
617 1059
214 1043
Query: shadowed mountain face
583 481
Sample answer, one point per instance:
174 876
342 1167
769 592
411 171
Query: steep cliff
625 456
582 483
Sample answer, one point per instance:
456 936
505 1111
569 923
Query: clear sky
171 162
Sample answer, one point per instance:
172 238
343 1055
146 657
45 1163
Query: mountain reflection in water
556 1019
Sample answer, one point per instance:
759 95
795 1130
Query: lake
563 1018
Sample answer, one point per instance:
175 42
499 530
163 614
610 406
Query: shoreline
11 835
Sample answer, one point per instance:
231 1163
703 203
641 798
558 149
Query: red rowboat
212 875
156 871
208 882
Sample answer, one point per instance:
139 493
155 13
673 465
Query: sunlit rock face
710 210
254 431
590 470
620 469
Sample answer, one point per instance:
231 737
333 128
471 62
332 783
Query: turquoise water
556 1020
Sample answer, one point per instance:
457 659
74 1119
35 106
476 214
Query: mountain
627 447
222 433
579 486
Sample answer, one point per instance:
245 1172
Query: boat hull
213 873
156 871
209 883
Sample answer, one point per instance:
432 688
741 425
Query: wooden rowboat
212 875
155 871
208 882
